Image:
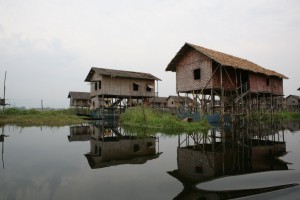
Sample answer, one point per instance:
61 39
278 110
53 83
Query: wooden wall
121 86
231 77
228 76
185 72
258 83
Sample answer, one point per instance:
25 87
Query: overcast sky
47 47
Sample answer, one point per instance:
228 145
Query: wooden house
110 87
79 99
179 102
235 81
158 102
293 102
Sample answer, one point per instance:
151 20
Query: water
92 162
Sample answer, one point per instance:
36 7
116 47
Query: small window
99 151
149 144
197 74
95 85
149 88
136 147
198 169
96 149
99 85
135 87
172 102
268 81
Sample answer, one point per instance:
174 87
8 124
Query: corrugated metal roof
159 100
223 59
294 96
181 99
79 95
120 73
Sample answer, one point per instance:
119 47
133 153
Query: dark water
96 162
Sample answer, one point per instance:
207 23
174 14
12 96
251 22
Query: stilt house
79 99
110 87
237 82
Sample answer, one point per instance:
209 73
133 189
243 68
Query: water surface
97 162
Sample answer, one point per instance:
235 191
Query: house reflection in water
80 133
111 146
227 152
293 125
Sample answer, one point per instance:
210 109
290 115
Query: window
135 87
198 169
99 85
149 144
95 85
149 88
136 147
99 151
197 74
268 81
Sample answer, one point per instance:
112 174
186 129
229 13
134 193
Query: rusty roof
119 73
222 58
79 95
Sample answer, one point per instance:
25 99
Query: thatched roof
119 73
223 59
79 95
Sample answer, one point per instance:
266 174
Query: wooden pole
4 91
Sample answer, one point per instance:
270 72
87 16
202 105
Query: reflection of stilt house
201 157
240 85
116 89
110 147
293 103
79 133
293 125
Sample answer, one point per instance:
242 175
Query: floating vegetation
159 121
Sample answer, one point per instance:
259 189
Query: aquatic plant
159 121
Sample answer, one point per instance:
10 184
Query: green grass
289 115
150 120
33 117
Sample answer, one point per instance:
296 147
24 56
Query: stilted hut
240 85
81 102
114 90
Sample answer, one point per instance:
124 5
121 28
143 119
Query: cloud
63 39
37 69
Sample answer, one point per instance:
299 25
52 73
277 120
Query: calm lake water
102 162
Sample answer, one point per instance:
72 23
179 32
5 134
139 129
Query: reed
33 117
